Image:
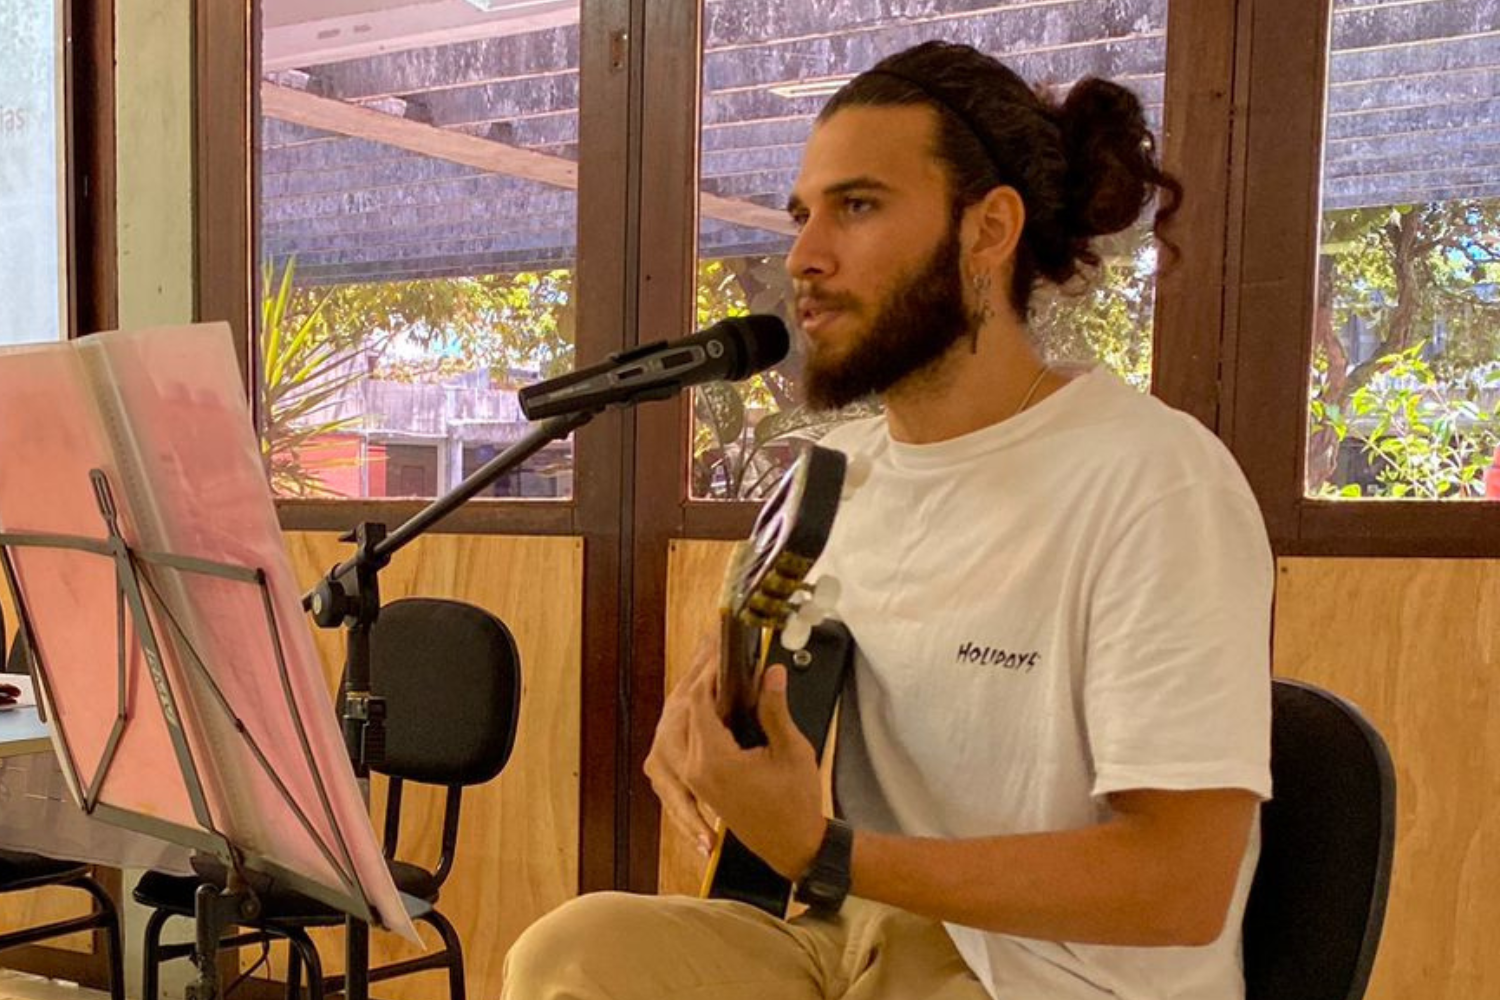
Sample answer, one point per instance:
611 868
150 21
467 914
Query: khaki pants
613 946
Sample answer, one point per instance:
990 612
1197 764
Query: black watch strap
826 882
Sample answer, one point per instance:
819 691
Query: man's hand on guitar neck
770 796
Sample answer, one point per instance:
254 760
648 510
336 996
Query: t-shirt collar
996 436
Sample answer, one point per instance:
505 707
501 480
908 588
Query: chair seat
415 881
19 870
279 904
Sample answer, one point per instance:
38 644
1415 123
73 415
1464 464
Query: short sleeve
1176 677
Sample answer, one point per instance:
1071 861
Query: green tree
1407 274
503 322
318 342
1106 316
1427 438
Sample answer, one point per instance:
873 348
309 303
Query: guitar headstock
771 566
767 579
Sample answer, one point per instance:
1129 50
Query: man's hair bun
1112 169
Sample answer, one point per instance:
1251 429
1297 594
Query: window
768 67
1363 113
417 206
33 207
1404 397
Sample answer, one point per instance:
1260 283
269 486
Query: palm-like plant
734 462
305 369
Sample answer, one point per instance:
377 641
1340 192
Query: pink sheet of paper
162 412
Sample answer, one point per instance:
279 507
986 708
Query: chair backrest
451 677
1316 907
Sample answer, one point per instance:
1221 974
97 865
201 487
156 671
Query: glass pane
768 67
1405 378
417 225
32 174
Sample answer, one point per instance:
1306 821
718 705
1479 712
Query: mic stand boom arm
349 596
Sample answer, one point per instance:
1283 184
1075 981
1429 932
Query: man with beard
1052 752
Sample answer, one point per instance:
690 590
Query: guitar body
815 679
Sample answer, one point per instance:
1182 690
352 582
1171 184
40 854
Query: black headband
953 109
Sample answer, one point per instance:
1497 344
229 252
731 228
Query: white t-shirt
1072 602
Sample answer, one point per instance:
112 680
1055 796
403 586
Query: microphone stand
349 596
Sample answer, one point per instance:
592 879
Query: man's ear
993 228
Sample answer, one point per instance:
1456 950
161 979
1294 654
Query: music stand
142 527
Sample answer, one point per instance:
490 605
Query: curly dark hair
1084 168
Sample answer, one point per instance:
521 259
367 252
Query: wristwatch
826 882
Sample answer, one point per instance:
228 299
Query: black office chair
20 871
451 677
1316 906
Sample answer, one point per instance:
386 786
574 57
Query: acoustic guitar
770 614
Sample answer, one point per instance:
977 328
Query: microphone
731 349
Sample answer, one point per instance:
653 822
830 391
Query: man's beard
918 321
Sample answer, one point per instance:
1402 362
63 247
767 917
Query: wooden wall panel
8 611
694 572
45 906
518 845
1416 643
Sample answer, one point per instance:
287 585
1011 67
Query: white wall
154 161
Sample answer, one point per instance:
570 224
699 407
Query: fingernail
703 846
776 678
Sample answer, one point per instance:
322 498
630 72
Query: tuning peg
856 472
796 633
826 591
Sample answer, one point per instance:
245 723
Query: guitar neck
742 661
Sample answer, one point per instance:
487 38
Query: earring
983 310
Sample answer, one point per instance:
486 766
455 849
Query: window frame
226 108
1274 270
89 106
1192 293
226 40
87 145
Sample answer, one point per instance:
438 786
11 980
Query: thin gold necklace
1035 385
